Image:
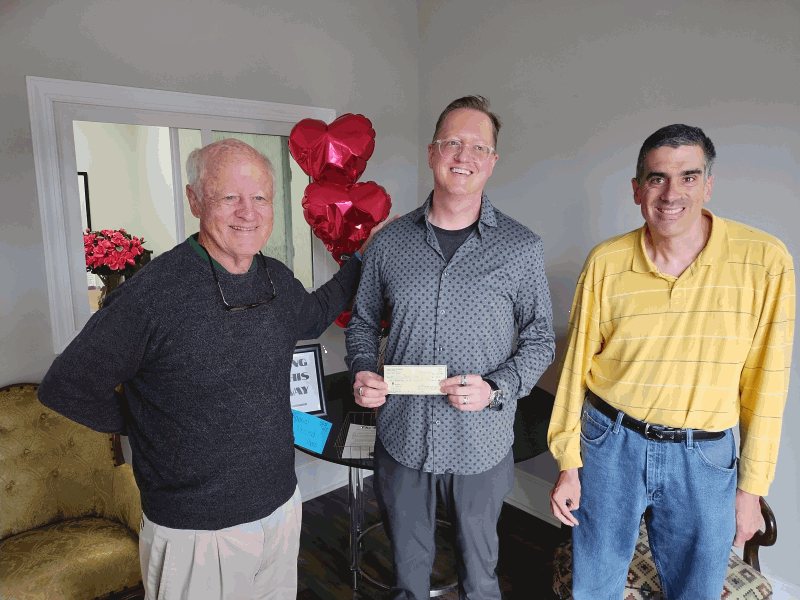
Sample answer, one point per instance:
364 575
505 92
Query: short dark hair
474 103
674 136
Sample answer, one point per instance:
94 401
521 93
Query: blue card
309 431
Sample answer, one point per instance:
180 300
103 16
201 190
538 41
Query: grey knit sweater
206 402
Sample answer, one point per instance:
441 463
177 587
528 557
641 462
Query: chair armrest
761 538
126 502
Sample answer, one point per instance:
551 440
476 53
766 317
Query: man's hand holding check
370 389
464 392
467 392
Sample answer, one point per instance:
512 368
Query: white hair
199 159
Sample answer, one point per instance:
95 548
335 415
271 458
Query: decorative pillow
742 582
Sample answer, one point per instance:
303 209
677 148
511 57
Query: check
414 379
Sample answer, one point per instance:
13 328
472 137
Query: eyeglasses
449 148
228 307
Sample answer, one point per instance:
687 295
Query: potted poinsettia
113 254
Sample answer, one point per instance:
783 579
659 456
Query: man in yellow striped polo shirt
678 331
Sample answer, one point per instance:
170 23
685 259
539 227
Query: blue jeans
688 490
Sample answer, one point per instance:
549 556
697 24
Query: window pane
129 176
301 232
130 180
188 140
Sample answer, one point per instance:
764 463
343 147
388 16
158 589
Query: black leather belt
659 433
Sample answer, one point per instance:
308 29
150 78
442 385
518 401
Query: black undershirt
450 241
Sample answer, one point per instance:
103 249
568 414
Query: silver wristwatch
495 397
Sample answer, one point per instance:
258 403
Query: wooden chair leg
761 538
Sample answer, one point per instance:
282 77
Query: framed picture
83 191
306 391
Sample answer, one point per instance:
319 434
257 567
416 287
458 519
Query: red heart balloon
335 153
343 319
342 216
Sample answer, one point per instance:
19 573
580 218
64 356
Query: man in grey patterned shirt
458 280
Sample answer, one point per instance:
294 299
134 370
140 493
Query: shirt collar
199 249
486 219
716 250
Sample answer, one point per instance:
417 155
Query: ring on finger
361 390
466 399
463 380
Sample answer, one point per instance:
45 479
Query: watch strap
495 397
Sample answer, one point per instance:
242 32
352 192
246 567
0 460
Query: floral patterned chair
70 511
742 582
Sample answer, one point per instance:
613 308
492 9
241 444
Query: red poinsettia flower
116 261
108 251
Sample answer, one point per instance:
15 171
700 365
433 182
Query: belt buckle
653 432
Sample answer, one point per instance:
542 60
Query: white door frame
63 246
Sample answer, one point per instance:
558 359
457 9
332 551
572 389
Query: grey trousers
407 499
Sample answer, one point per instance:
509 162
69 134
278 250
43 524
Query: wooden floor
526 553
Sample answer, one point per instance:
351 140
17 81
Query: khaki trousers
253 560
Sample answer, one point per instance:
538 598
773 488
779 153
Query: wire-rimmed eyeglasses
234 308
449 148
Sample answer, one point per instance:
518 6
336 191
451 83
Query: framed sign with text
306 391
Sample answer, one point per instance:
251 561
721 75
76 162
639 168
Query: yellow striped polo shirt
703 350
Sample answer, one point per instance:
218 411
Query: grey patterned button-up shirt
463 314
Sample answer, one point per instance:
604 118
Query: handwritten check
414 379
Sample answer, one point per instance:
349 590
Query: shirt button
440 348
438 422
441 312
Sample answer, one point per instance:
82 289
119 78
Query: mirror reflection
127 182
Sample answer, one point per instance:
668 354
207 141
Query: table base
357 534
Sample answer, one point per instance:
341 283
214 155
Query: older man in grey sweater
202 341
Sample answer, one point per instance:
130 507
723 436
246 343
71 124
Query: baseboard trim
312 493
532 495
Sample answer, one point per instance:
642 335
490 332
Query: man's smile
670 210
460 171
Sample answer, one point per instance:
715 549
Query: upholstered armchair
742 581
70 512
